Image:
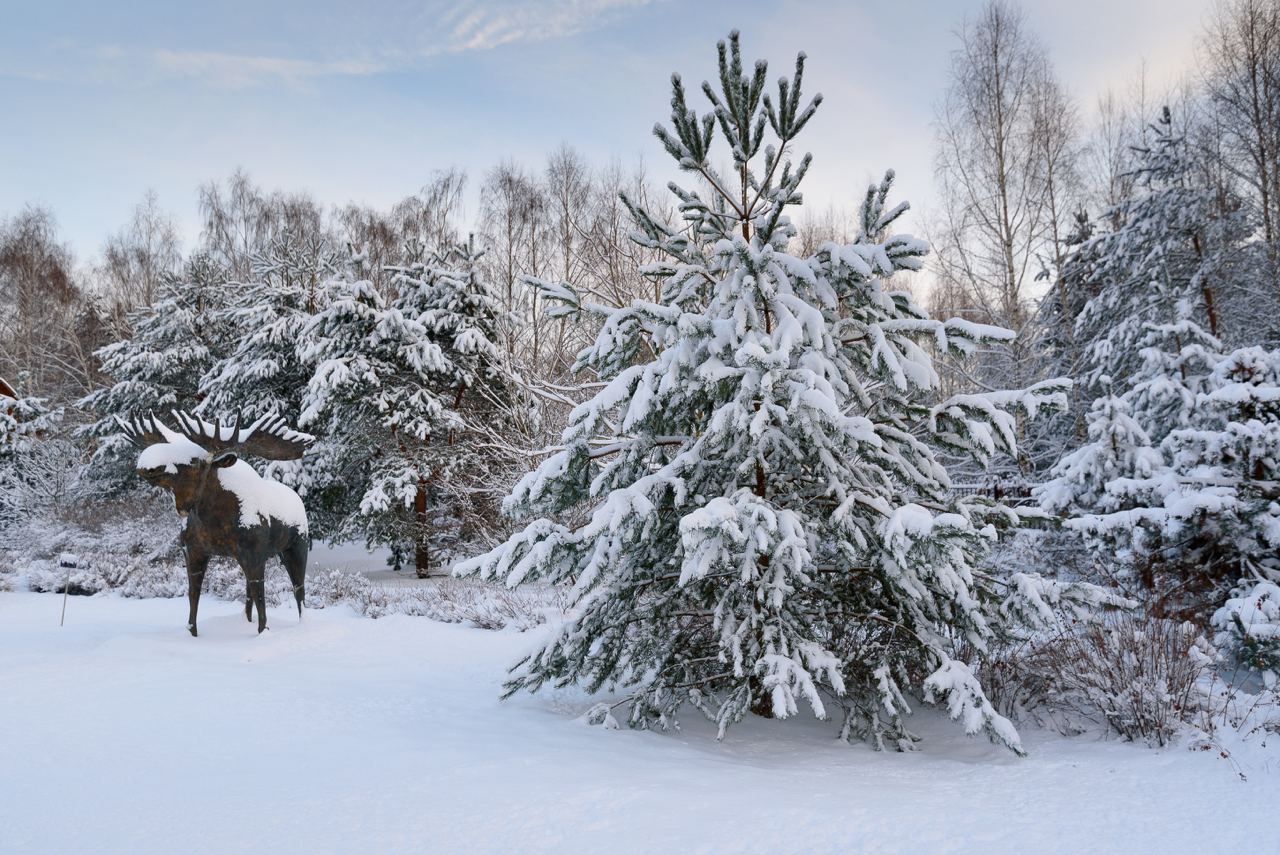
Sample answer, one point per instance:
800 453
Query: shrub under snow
1248 628
1136 675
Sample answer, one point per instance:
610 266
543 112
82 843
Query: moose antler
269 438
213 438
143 431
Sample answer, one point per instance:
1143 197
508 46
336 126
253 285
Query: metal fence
1010 492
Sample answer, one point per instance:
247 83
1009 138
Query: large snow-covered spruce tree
1181 496
263 372
389 394
752 512
30 465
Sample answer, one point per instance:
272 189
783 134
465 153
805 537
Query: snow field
120 733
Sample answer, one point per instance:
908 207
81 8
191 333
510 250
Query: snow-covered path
120 733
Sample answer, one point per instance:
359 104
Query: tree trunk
761 703
421 554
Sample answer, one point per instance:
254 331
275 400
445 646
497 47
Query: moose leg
294 559
196 564
255 577
248 599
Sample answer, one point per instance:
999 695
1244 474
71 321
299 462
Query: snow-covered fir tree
1176 362
176 341
752 512
1122 458
1227 460
463 315
387 393
1160 264
30 466
263 373
1118 447
1197 514
1248 628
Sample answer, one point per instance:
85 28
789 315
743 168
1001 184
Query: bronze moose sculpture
231 510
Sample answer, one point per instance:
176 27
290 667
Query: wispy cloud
483 26
457 27
236 71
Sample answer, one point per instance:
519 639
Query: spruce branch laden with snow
770 526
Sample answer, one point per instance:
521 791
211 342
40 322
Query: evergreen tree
1177 360
1228 462
752 513
1158 265
1198 514
263 373
388 388
462 314
175 343
1118 447
24 458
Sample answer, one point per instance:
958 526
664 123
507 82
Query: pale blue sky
362 101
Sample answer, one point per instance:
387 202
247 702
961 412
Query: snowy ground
121 733
372 564
347 556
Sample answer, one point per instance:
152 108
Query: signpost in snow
68 561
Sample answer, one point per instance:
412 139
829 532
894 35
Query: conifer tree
1159 265
1177 487
451 298
388 388
1118 448
263 374
22 421
752 513
175 343
1177 360
1228 462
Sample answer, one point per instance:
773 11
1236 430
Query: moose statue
231 510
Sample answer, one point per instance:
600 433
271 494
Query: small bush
1248 629
331 586
474 603
1138 676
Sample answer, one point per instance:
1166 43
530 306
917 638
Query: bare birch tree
1007 174
1241 56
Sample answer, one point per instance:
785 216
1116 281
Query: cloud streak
487 26
460 27
237 71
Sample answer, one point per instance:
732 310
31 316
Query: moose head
230 509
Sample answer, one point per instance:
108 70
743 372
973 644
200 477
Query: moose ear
222 461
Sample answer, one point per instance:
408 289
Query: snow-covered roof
6 390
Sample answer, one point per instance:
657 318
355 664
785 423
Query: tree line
1108 239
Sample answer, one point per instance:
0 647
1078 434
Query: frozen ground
121 733
370 563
